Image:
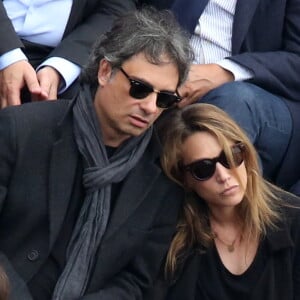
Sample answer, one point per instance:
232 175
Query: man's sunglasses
140 90
203 169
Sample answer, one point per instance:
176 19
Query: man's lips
139 121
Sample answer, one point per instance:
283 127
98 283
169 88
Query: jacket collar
75 15
62 170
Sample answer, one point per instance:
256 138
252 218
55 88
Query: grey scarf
99 173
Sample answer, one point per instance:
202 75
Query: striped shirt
211 40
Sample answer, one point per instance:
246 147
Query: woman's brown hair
258 209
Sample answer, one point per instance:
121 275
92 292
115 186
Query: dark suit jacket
88 19
266 40
159 4
38 164
279 280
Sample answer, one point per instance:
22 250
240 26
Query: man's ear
104 72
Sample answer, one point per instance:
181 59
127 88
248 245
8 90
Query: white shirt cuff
239 72
11 57
68 71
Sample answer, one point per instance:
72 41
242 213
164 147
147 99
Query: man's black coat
39 162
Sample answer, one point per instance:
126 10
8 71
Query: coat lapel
134 191
62 171
243 16
188 12
75 14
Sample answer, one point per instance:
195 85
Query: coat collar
75 13
62 170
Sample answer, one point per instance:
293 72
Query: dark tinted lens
203 169
237 153
222 159
166 100
139 90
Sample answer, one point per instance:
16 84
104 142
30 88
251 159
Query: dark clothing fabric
228 285
289 171
273 275
39 161
296 188
187 13
160 4
41 286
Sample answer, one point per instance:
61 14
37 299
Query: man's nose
149 103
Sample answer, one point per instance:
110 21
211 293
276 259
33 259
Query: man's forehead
160 60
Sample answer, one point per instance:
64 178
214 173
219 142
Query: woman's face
222 189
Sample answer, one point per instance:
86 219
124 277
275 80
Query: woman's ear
104 72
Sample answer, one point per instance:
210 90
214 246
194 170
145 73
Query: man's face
122 116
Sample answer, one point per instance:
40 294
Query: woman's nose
222 173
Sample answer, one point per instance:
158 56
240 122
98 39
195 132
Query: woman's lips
230 190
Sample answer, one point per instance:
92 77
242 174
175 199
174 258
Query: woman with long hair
239 235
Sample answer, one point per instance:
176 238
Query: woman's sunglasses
140 90
204 169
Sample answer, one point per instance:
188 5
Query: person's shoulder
288 197
290 205
32 108
36 121
295 189
43 112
